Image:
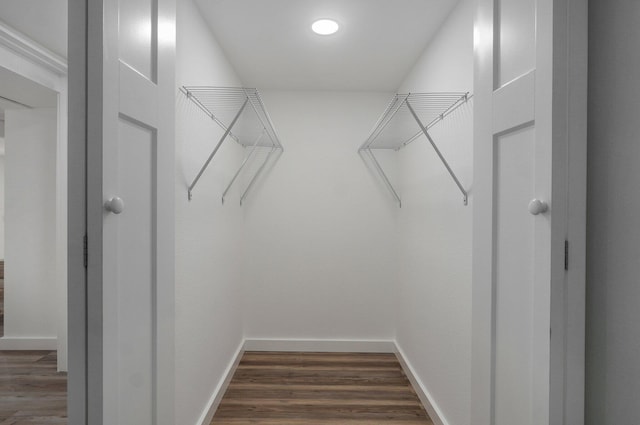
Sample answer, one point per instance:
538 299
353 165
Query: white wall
30 217
208 235
320 249
613 211
434 307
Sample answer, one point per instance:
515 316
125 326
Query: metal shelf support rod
384 177
215 150
255 177
435 147
253 149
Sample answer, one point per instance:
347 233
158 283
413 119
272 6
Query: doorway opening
33 299
27 225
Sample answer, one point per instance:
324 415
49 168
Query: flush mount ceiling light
325 27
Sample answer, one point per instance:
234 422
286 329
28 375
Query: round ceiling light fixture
325 27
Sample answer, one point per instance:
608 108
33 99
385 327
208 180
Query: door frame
569 99
77 378
25 57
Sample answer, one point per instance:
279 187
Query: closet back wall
321 240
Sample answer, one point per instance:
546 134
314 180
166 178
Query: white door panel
521 153
517 47
137 31
136 277
514 277
133 240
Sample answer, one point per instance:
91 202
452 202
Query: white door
530 115
130 161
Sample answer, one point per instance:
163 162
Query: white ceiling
44 21
271 45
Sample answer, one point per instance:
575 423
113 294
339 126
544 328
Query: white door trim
77 379
569 343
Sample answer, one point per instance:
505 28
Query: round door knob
115 205
538 207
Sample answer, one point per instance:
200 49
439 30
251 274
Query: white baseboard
25 344
218 393
423 394
321 346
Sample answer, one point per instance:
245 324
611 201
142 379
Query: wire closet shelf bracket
396 128
240 112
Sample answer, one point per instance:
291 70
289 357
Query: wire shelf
396 127
407 118
222 104
241 113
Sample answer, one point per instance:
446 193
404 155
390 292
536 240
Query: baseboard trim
423 394
321 346
218 393
26 344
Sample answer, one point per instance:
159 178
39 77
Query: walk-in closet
332 210
328 210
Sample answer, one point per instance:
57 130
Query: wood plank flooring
320 388
2 301
31 390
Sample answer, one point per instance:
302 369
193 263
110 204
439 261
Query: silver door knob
537 206
115 205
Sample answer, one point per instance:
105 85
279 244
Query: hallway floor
31 390
320 388
2 307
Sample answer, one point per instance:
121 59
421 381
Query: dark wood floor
2 303
320 388
31 389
